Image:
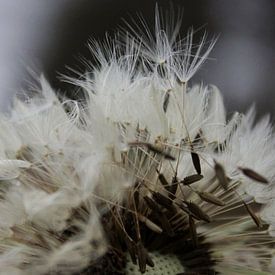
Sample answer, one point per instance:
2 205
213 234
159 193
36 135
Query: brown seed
191 179
151 225
193 231
153 148
253 175
163 180
172 190
131 247
166 101
197 212
162 200
136 198
142 257
221 176
166 224
160 152
208 197
254 217
196 162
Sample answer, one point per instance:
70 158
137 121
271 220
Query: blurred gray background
48 35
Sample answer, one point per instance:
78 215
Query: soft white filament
54 161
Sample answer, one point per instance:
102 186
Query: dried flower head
147 175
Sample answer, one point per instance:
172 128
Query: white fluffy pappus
147 166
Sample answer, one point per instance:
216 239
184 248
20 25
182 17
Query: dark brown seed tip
254 217
142 257
191 179
172 190
197 212
221 176
162 200
166 101
158 151
166 225
193 231
162 179
253 175
208 197
196 162
131 246
150 224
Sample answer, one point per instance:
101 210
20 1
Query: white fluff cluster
63 165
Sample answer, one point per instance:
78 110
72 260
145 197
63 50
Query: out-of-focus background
48 35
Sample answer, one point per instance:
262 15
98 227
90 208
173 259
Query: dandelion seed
142 178
150 224
191 179
154 149
197 212
196 162
193 231
211 198
253 175
220 174
253 215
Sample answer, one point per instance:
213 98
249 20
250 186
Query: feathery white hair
64 165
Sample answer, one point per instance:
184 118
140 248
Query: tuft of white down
62 162
50 170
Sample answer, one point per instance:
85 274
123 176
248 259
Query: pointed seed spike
131 247
253 175
163 180
172 190
197 212
191 179
208 197
193 231
166 101
254 217
151 225
136 198
221 176
162 200
154 149
196 162
141 255
166 225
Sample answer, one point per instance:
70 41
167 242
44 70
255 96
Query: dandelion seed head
147 175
